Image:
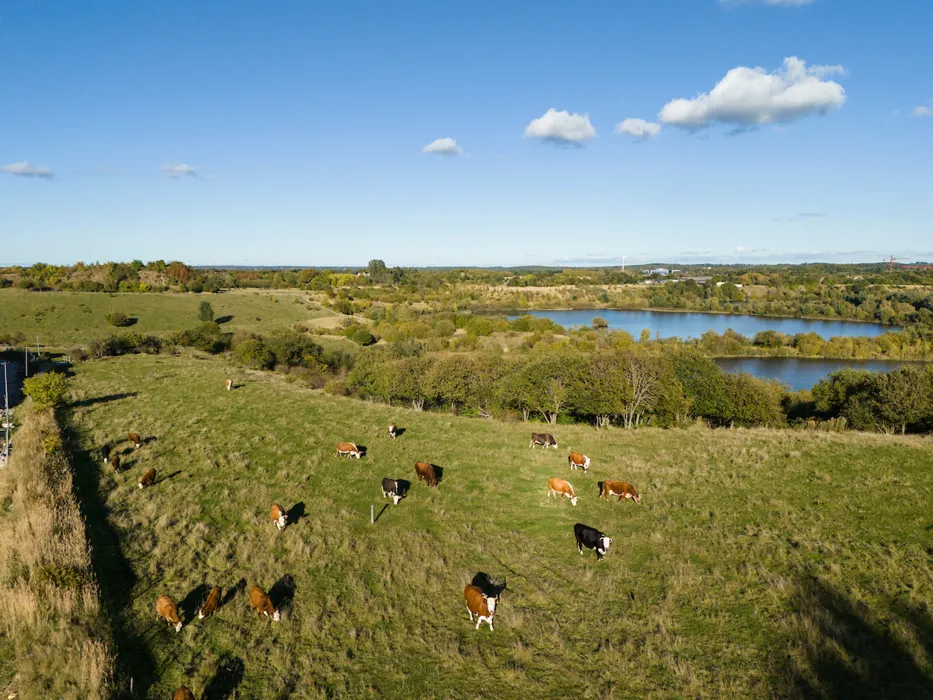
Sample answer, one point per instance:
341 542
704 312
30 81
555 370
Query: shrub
207 337
253 353
337 387
599 322
46 390
118 318
362 337
205 312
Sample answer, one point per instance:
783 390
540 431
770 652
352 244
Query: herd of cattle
480 603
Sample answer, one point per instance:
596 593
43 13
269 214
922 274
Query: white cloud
749 97
561 127
26 169
177 170
923 111
639 128
443 147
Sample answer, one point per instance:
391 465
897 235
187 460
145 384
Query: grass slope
761 563
67 318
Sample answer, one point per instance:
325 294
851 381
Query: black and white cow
105 452
591 538
391 487
545 439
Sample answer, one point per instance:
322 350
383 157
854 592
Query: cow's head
586 462
491 601
276 616
200 613
178 626
637 499
604 543
573 500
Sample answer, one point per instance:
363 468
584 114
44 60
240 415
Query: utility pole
623 264
38 353
26 371
5 453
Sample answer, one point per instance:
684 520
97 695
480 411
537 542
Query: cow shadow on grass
189 606
223 319
842 648
295 513
439 473
489 585
229 676
399 432
104 399
232 592
167 477
282 593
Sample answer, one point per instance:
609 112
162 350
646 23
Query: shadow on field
115 576
385 507
223 685
282 592
489 585
104 399
167 477
222 320
399 432
189 606
838 651
295 513
232 592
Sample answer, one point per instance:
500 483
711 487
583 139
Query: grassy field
761 563
69 318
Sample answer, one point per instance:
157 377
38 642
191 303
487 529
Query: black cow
591 538
391 487
545 439
105 453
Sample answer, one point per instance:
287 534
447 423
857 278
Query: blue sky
286 132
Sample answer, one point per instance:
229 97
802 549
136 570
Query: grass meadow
71 318
761 563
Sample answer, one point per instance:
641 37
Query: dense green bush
118 318
205 312
206 336
47 390
254 354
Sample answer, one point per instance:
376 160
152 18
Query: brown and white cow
168 611
426 473
210 604
229 384
278 516
183 694
559 487
348 449
260 602
115 463
579 460
136 440
480 604
622 489
392 430
545 439
148 479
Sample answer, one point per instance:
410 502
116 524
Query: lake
799 373
685 324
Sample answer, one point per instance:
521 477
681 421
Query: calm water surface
682 324
799 373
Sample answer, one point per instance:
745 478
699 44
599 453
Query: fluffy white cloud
26 169
639 128
923 111
443 147
749 97
177 170
561 127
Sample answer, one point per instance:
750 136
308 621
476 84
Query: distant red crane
891 261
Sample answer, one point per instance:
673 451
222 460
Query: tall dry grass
49 608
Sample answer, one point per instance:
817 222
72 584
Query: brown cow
183 694
278 515
392 430
136 440
349 449
259 601
210 604
622 489
426 473
115 463
559 487
229 384
480 604
578 460
148 479
168 611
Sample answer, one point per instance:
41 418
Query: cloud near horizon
561 127
923 111
639 128
27 169
443 147
750 97
179 170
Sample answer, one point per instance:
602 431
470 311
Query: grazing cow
210 604
183 694
229 384
259 601
591 538
168 611
136 440
622 489
559 487
105 452
578 460
115 463
148 479
392 430
278 516
391 488
426 473
349 449
545 439
480 604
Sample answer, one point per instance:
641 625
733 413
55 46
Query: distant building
719 284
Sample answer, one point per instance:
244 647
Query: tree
903 397
601 389
377 271
47 390
205 312
642 376
599 322
118 318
